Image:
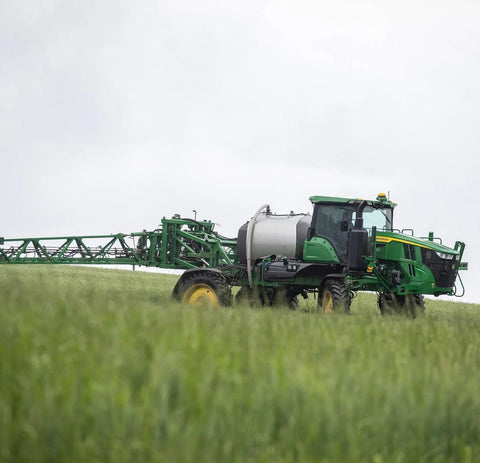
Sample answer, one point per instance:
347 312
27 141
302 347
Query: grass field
100 366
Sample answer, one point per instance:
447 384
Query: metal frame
179 243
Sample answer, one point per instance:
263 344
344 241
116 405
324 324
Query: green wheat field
99 365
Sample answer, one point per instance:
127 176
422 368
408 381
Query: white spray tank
280 234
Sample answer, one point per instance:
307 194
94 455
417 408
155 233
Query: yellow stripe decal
387 239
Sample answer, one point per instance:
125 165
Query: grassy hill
100 366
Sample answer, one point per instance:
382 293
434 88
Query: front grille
444 270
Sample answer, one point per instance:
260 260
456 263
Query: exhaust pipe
358 241
359 218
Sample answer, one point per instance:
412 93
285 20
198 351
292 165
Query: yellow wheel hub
327 302
201 295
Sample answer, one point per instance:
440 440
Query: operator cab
335 218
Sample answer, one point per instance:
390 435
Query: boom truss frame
179 243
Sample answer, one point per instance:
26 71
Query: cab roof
380 201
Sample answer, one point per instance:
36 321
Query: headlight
442 255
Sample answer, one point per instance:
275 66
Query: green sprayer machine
344 246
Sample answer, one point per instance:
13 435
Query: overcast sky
114 114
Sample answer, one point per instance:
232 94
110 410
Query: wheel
249 296
293 303
283 297
412 304
203 288
387 303
415 305
266 297
334 297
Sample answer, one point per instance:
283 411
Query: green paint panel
319 250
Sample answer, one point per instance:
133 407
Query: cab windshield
380 217
333 221
335 217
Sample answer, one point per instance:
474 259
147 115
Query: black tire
334 297
387 303
284 297
415 305
293 303
249 296
412 305
203 288
266 297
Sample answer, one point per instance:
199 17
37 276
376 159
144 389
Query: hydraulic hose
249 238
